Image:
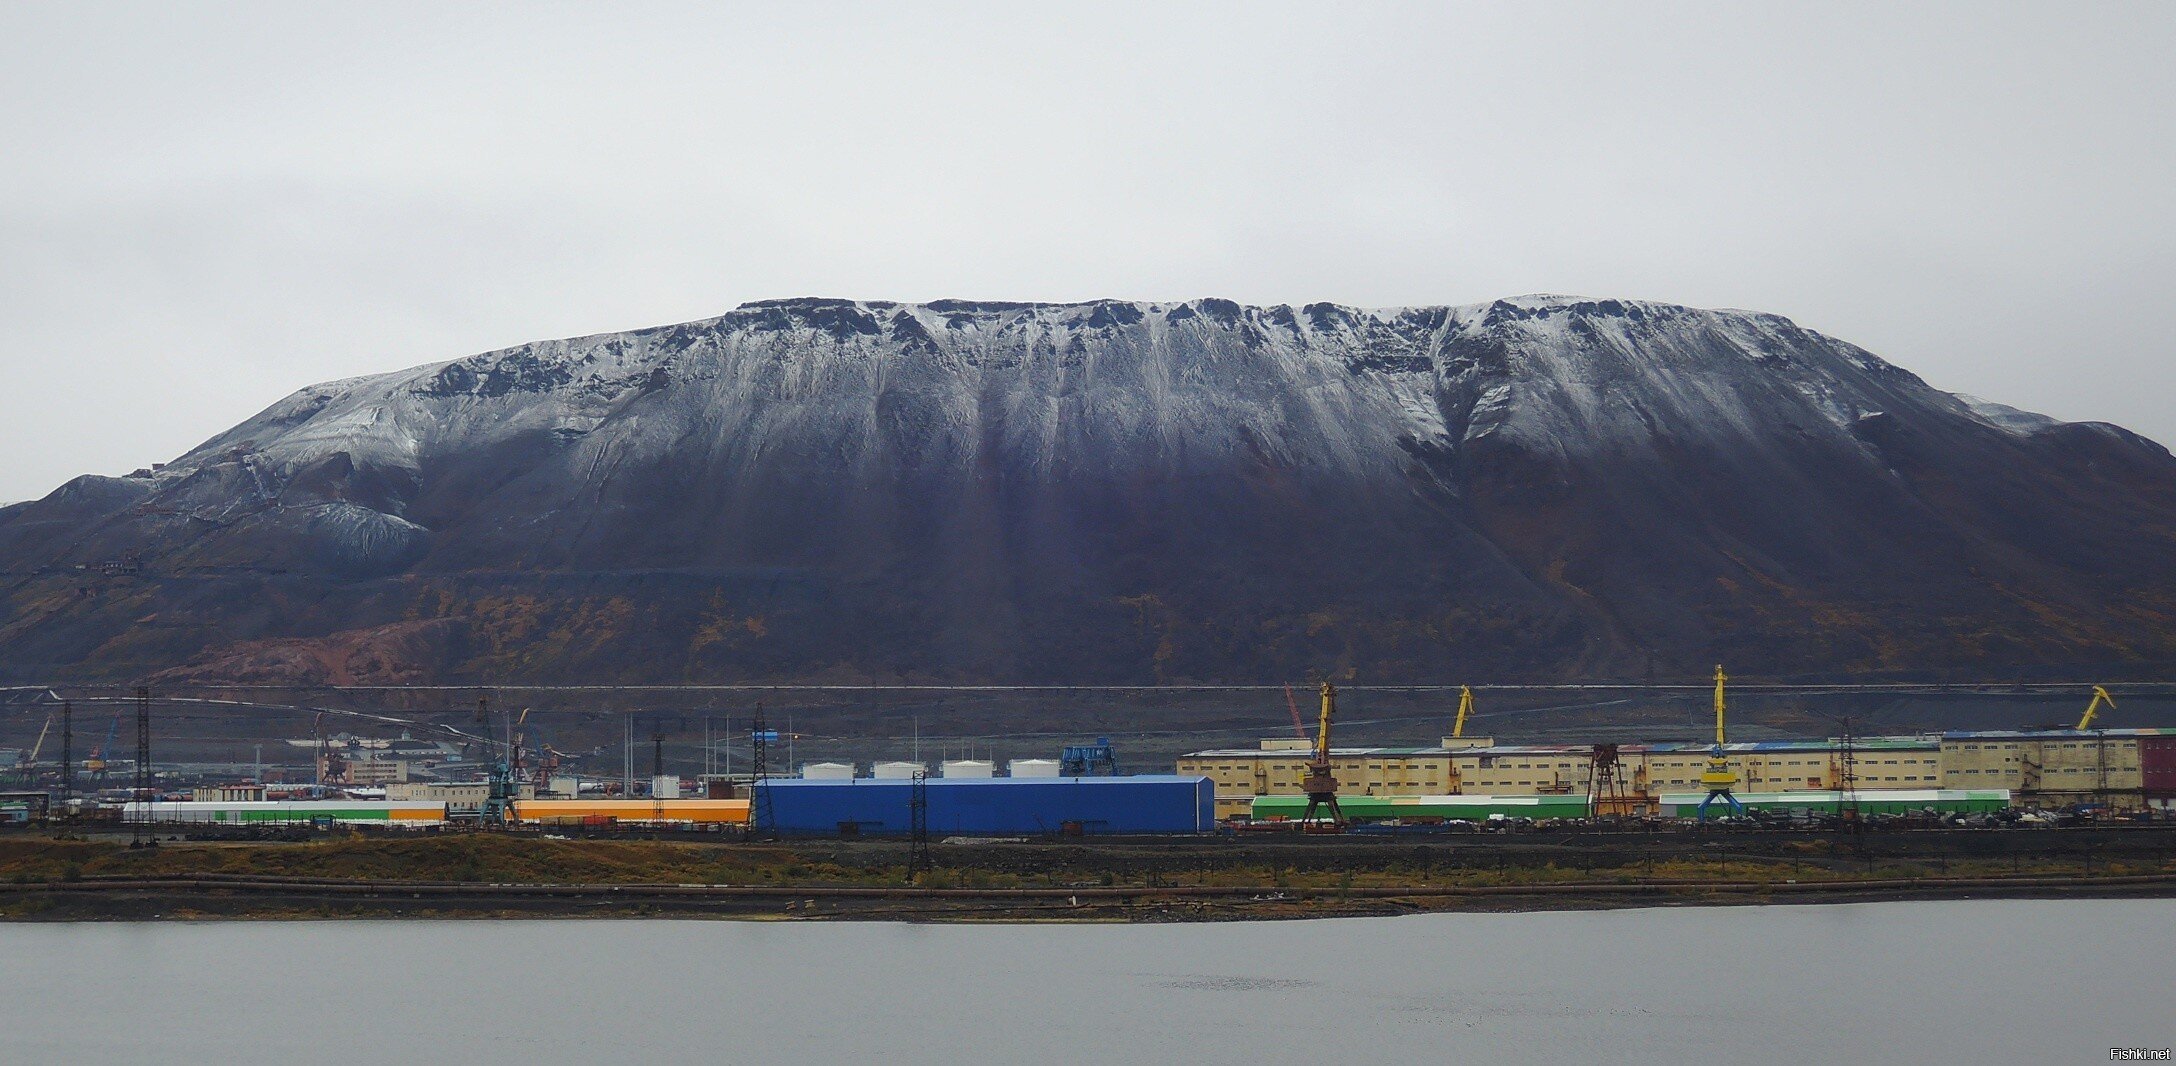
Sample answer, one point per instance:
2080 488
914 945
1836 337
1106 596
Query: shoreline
346 874
231 897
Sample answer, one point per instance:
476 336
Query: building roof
2054 734
1925 741
982 782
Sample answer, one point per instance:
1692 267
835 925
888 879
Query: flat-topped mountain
1542 487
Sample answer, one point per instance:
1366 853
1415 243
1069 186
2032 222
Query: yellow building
1275 769
375 772
2044 768
2051 768
1476 766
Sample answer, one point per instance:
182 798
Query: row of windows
1431 773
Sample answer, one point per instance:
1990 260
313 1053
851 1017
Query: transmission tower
2100 781
762 825
1847 773
918 817
67 753
144 834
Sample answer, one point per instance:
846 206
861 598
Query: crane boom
1329 711
33 759
2092 709
1465 707
1719 679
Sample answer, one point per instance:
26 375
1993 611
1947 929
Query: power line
1773 688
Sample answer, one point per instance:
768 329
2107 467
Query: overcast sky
205 207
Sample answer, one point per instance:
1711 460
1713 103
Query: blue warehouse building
992 805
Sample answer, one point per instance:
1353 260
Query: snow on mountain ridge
1182 383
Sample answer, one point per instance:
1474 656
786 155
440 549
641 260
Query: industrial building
656 811
989 805
2038 768
411 814
1476 808
2122 767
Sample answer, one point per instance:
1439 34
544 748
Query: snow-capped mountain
1542 486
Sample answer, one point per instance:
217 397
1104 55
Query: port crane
499 793
30 762
1320 784
1718 778
1453 783
2092 710
331 767
96 763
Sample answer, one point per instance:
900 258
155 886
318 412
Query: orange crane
1293 705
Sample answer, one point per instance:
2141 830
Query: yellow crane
1718 778
30 762
2092 710
1453 783
1320 784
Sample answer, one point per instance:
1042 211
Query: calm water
1998 981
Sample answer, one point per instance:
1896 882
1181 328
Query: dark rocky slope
819 489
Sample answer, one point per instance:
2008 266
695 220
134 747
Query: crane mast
1719 679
